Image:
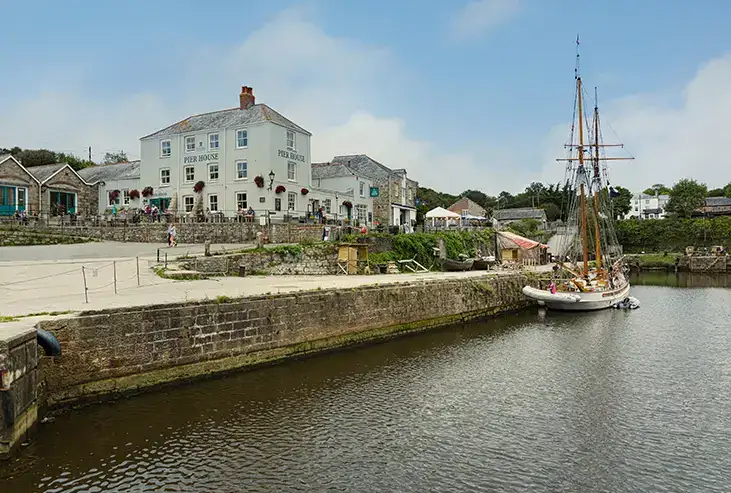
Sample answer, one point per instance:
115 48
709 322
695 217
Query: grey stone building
507 216
50 190
393 193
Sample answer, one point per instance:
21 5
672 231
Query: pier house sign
201 158
291 155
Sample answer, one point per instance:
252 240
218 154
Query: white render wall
121 185
348 188
266 143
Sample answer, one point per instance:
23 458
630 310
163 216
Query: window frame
294 140
327 205
185 173
246 200
192 203
185 141
218 141
218 172
246 130
236 164
294 164
361 188
125 197
292 195
169 148
210 204
159 175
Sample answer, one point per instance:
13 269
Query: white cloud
479 16
329 87
671 141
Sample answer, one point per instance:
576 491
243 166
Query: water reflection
681 279
611 401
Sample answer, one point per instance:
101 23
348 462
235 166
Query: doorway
162 204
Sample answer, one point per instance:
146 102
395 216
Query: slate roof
44 172
718 201
519 213
3 157
111 172
232 117
331 170
366 166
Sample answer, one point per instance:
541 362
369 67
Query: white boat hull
580 302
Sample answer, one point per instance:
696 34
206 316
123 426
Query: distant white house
648 206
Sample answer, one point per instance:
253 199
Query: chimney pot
246 98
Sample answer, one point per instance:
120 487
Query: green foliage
686 197
622 204
39 157
658 188
672 234
553 211
420 246
115 157
223 299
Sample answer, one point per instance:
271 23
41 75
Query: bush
672 234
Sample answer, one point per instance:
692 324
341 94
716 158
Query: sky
464 94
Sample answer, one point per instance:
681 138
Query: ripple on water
614 401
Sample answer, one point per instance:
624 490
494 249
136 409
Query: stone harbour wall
118 351
187 232
319 260
18 383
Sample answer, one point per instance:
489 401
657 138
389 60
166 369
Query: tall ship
589 272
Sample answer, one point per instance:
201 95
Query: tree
657 188
716 192
553 211
115 157
686 197
727 190
36 157
622 203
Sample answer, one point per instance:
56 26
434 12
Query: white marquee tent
442 217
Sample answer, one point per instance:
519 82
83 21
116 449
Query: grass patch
223 299
15 318
654 260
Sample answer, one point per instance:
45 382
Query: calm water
614 401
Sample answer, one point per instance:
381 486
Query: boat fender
48 342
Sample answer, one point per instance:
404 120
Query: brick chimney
246 98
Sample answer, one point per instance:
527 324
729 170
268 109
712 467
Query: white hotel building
227 150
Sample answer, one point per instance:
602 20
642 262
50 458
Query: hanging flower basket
348 204
280 189
114 194
198 187
305 191
259 180
147 192
134 194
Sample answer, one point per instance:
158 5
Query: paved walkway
33 282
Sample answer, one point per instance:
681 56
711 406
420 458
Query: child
552 287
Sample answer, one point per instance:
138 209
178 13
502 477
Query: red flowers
305 191
198 187
147 192
280 189
348 204
259 180
134 194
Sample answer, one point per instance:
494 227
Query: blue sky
465 94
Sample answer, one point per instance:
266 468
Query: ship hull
577 302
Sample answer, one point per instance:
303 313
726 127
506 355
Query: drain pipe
48 342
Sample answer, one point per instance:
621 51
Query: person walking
173 236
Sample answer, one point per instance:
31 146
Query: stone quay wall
186 232
110 353
18 385
319 260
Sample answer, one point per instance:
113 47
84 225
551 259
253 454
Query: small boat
483 263
629 303
457 265
601 283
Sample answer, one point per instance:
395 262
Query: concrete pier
18 390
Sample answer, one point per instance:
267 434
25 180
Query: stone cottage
51 189
393 193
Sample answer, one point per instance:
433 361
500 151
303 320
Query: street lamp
271 179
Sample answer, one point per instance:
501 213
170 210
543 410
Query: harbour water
616 401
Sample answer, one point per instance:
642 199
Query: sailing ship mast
595 183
